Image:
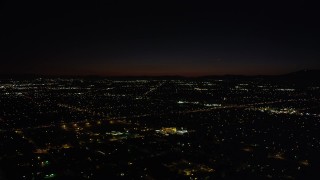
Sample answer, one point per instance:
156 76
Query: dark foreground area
144 128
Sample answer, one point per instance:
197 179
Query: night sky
189 38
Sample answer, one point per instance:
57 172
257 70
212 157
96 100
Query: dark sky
158 38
